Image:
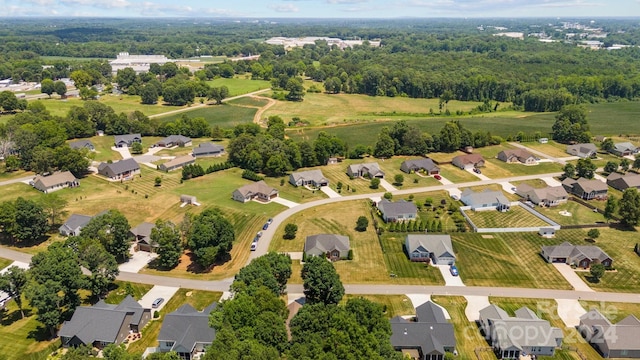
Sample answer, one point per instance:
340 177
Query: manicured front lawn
391 168
24 338
497 169
394 305
580 214
299 194
551 148
456 175
117 294
4 263
516 217
4 175
406 272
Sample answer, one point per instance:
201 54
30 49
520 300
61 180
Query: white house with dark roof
177 163
425 248
310 177
581 255
55 182
485 200
585 188
127 140
74 224
623 181
400 210
333 247
624 149
82 144
370 170
208 150
119 170
423 164
582 150
174 140
547 196
258 190
187 332
618 340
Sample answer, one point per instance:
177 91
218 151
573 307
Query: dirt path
258 115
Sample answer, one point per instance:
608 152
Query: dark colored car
477 171
265 226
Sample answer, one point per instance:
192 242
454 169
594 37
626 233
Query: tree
586 168
46 87
158 181
321 282
610 167
166 236
610 208
569 171
571 125
362 223
118 352
211 237
102 265
593 234
398 179
624 164
218 94
272 271
636 162
149 95
136 148
375 183
385 146
112 230
607 144
388 196
630 207
295 88
13 282
450 137
53 205
596 271
290 231
60 88
30 220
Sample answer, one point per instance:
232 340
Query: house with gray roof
186 331
547 196
177 162
310 177
424 164
103 324
82 144
425 248
258 190
142 236
74 224
622 182
369 170
54 182
485 200
429 337
174 140
400 210
333 247
581 255
618 340
521 156
208 150
583 150
127 140
624 149
523 334
468 161
585 188
119 170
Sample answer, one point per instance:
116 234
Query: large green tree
95 258
629 207
586 168
272 271
13 282
30 221
211 237
321 281
571 125
166 236
112 230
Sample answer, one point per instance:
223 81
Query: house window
169 344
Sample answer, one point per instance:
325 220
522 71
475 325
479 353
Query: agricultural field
507 260
516 217
239 86
579 214
252 101
394 305
224 115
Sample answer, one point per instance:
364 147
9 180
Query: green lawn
497 169
298 194
552 148
456 175
614 311
4 263
407 272
119 292
239 86
391 168
394 305
249 101
4 176
119 103
516 217
580 214
224 116
507 259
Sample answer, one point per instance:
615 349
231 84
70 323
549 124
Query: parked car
157 302
265 226
477 171
259 234
254 246
437 177
270 221
454 270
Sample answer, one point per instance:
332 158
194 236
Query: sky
321 8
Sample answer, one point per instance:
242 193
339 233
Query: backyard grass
199 299
338 173
516 217
497 169
507 260
224 115
614 311
239 85
535 183
456 175
391 168
394 305
467 333
552 148
119 292
406 272
580 214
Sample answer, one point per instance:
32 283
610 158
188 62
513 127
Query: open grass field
456 175
119 103
467 333
298 194
580 214
249 101
406 272
224 116
395 305
614 311
551 148
199 299
515 217
103 146
240 85
547 310
118 294
508 259
497 169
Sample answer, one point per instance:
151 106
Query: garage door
560 260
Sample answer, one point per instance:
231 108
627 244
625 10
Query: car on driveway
477 171
455 197
454 270
254 246
157 302
265 226
437 177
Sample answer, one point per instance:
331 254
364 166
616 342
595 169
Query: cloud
346 1
284 8
39 2
100 4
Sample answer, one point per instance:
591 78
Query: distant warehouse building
139 63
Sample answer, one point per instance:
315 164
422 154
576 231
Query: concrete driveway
330 192
137 261
285 202
165 292
507 187
479 176
123 151
570 311
474 305
387 186
551 181
572 278
449 279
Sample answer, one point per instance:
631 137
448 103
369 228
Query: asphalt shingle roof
186 327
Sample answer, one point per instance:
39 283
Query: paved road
13 181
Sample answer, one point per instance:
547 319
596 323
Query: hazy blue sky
322 8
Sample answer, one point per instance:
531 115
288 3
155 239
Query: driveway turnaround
572 278
165 292
137 261
570 311
285 202
385 184
330 192
474 305
419 299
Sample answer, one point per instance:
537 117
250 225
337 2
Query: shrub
250 175
156 314
350 255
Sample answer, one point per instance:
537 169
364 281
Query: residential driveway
507 187
165 292
146 158
19 264
599 177
137 261
449 280
419 299
285 202
330 192
387 186
295 255
572 278
475 303
570 311
24 180
445 181
551 181
455 192
479 176
124 151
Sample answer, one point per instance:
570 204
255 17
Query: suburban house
310 177
468 161
612 341
82 144
74 224
521 156
333 247
437 248
523 334
258 190
103 324
370 170
624 149
429 337
580 255
425 164
623 182
585 188
54 182
142 236
127 140
187 332
174 140
547 196
208 150
582 150
400 210
119 170
485 200
177 162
